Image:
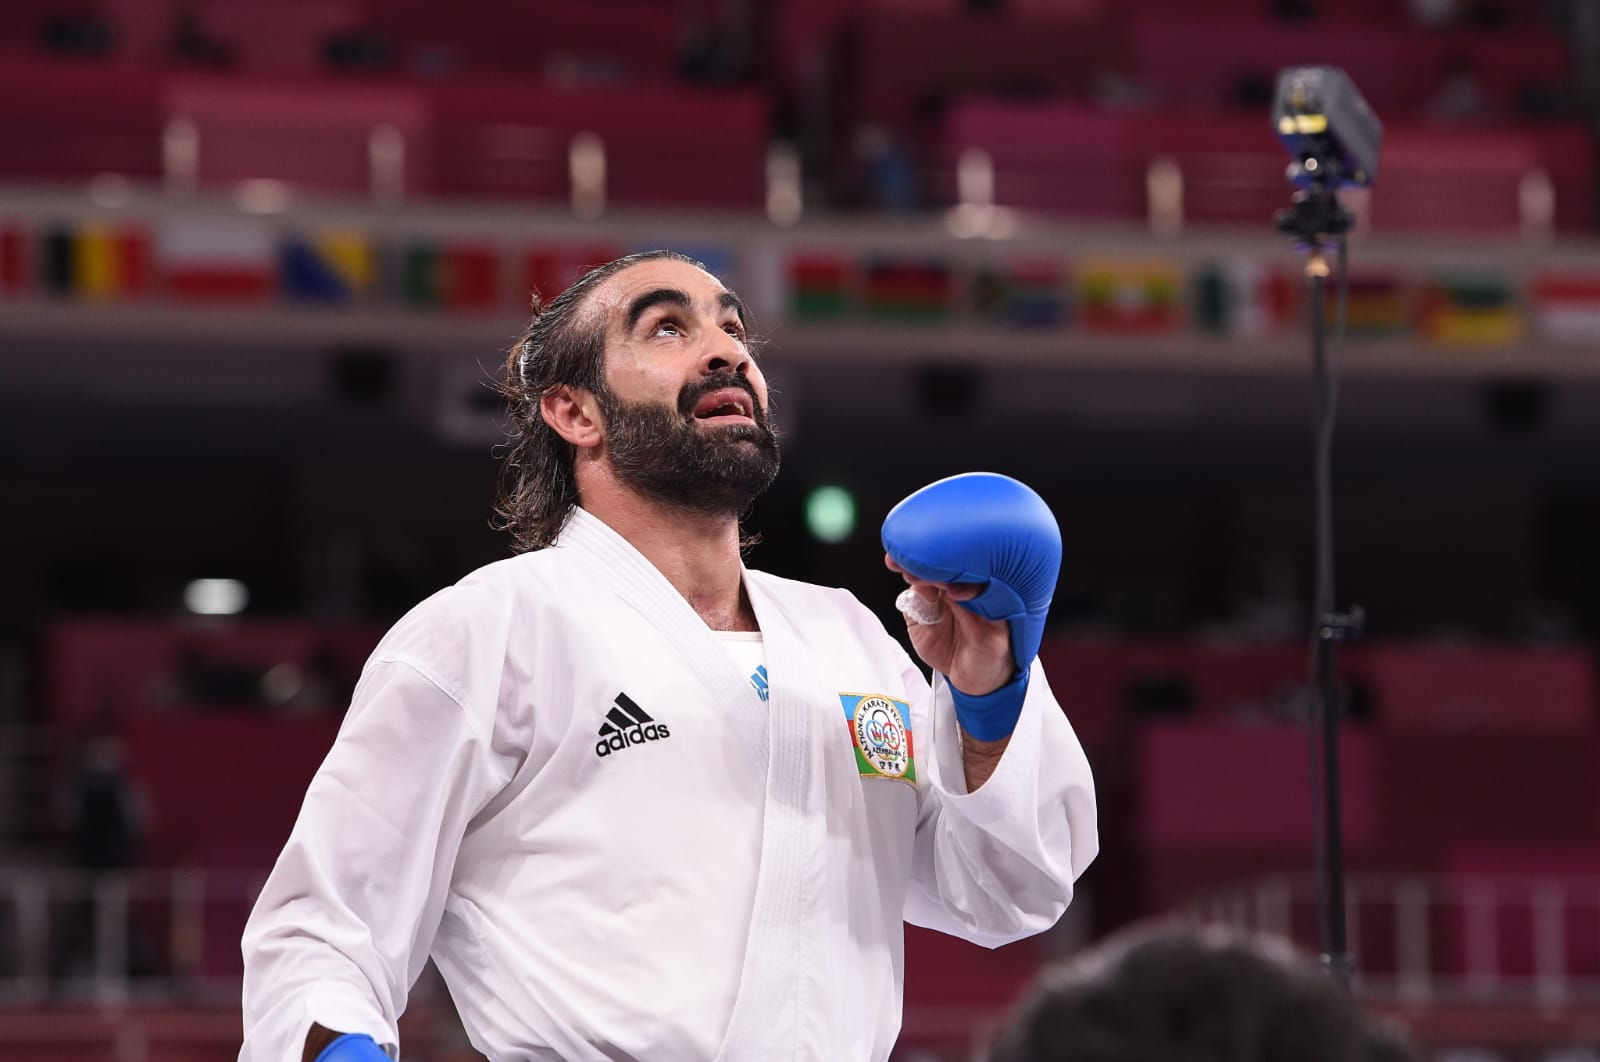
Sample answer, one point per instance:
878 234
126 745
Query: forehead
616 294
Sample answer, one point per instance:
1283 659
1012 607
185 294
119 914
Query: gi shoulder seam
455 697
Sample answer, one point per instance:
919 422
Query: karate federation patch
880 729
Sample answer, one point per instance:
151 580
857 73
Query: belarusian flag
819 287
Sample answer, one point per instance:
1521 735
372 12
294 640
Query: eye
668 327
734 329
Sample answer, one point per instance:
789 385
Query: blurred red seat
584 40
65 120
311 133
499 138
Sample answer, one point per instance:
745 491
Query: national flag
217 260
1131 297
1377 304
1566 306
14 264
1242 297
549 270
819 287
909 290
1471 308
1022 293
94 261
330 266
456 276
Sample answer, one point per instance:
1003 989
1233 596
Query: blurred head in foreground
1189 994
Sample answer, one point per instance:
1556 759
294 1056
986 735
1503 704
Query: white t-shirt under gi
554 779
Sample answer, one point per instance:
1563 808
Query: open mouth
728 403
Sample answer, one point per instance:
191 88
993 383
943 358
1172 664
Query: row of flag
1241 297
243 261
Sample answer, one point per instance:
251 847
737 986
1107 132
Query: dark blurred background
260 262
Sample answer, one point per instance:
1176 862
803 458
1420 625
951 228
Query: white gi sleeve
999 864
345 922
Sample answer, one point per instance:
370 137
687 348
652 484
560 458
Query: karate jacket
554 780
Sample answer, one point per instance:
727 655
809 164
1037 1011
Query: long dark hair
561 348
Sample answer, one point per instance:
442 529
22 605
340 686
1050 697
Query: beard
664 454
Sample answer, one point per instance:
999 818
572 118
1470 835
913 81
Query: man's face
685 405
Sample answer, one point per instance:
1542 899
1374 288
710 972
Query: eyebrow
674 297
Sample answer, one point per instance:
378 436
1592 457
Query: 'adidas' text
627 724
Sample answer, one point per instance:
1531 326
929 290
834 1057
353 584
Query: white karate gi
733 889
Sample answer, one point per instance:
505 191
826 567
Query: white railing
1419 939
115 937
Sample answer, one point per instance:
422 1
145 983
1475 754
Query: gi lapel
614 562
771 1009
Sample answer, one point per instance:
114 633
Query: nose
722 353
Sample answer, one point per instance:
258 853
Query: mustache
693 393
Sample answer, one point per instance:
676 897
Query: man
1201 994
561 776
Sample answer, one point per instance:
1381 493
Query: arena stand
369 177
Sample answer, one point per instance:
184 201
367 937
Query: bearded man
607 783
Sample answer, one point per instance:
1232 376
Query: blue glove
988 529
353 1047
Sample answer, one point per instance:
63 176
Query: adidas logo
627 724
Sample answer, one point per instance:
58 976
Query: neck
698 553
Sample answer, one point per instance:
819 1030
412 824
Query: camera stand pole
1317 222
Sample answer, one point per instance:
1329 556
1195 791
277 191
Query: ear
573 414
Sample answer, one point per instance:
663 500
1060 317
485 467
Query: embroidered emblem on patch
880 730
